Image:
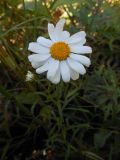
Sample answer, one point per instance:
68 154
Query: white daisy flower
62 57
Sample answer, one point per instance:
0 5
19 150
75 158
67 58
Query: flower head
62 57
29 76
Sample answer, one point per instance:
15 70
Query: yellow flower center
60 51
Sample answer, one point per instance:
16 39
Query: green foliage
37 7
77 120
59 3
100 138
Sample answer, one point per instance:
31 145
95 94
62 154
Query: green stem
60 114
24 5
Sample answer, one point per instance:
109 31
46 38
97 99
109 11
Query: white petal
56 33
77 37
56 78
82 59
76 66
61 36
37 64
64 35
53 67
73 74
60 25
43 68
37 48
80 43
80 49
44 41
38 57
51 31
65 71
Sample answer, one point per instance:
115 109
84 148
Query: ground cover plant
67 121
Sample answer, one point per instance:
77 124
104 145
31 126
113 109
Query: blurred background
77 120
